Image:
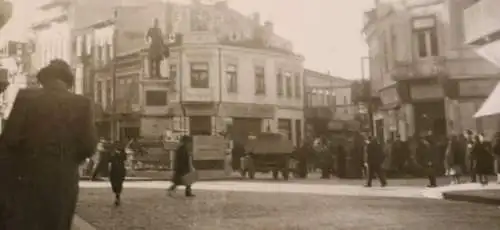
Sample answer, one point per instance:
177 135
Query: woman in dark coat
49 133
117 171
182 165
482 159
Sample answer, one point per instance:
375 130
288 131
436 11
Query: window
98 54
172 72
260 80
156 98
108 93
298 86
288 82
427 42
199 75
279 82
232 78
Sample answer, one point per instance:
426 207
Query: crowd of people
427 155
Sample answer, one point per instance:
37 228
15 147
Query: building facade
15 64
481 28
427 78
328 103
226 73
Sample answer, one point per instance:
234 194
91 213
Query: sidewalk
482 196
205 175
470 192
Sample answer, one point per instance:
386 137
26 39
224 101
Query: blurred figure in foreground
49 133
117 171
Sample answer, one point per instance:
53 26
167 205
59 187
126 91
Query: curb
80 224
452 196
145 179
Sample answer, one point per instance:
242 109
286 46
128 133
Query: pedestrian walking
454 160
481 159
374 159
104 149
183 166
469 136
117 170
49 133
429 152
496 154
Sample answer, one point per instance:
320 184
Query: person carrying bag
184 172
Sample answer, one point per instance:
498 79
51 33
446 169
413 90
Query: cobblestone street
152 209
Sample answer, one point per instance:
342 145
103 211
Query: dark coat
481 156
375 154
48 135
117 165
181 164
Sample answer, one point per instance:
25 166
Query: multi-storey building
15 64
328 103
427 78
52 34
482 32
226 73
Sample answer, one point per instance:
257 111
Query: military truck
267 152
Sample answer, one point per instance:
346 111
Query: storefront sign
419 92
209 148
248 110
471 88
389 95
200 109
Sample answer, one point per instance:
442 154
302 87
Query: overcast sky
326 32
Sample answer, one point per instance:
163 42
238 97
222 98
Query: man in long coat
182 165
49 133
374 159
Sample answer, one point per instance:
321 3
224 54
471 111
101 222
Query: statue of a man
154 39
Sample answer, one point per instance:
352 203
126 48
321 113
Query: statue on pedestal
157 49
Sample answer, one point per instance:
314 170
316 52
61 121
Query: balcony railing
481 19
431 67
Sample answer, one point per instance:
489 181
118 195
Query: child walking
117 171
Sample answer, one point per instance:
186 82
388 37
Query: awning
492 105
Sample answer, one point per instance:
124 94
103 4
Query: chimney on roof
269 26
256 18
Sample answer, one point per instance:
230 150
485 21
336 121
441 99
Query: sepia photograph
249 114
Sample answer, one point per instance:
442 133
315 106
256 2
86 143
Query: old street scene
249 114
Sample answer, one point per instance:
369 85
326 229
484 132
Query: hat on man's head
57 69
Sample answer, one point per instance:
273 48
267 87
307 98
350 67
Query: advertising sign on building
209 147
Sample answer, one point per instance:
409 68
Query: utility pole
114 118
367 85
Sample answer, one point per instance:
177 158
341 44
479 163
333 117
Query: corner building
240 80
427 77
